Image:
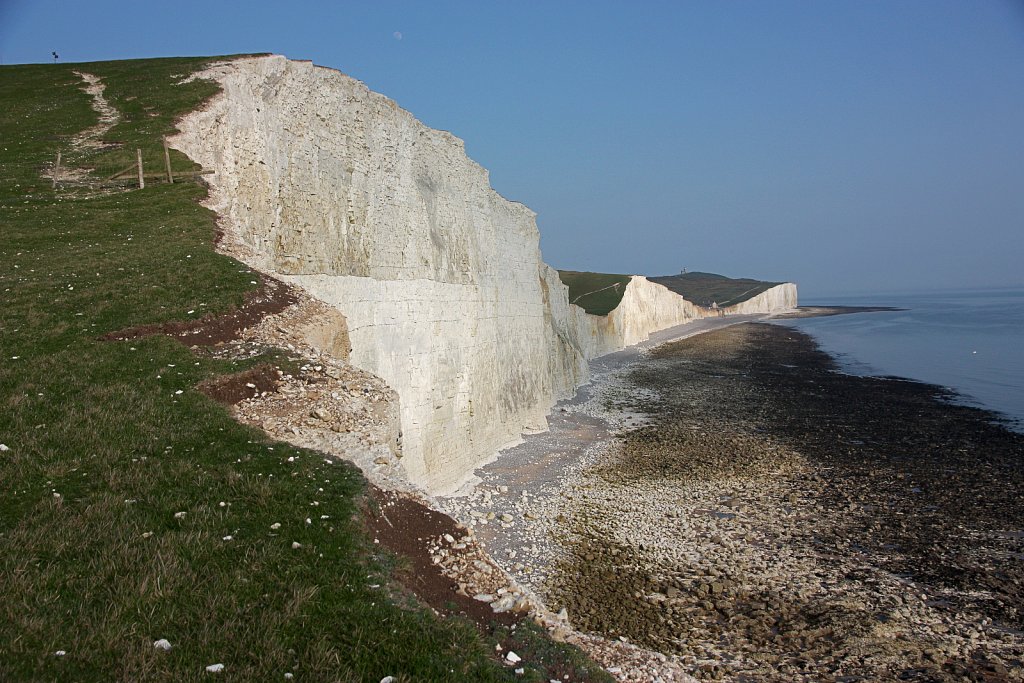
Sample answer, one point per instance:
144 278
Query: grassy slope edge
109 442
596 293
704 289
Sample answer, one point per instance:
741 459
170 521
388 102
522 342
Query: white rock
503 604
4 448
512 658
59 653
275 526
215 668
388 679
437 275
162 644
180 515
296 545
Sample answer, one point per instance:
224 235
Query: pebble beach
739 509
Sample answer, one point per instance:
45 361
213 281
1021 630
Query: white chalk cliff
337 190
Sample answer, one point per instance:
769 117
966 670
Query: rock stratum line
335 189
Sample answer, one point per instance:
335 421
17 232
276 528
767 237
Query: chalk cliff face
779 298
337 190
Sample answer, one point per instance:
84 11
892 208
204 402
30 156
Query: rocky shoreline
758 515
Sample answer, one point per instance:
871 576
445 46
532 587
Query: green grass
109 440
704 289
596 293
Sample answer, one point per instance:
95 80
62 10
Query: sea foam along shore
758 513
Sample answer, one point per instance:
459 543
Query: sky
850 147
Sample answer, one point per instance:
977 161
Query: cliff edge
335 189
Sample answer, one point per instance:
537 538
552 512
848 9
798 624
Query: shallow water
969 341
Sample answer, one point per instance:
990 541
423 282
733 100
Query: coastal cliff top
596 293
705 289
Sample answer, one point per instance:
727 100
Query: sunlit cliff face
337 190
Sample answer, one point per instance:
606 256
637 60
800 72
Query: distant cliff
337 190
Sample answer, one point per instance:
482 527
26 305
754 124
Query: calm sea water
970 341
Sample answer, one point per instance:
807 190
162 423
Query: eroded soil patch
273 296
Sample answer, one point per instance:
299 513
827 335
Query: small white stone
4 448
388 679
162 644
296 545
289 676
59 653
308 520
180 515
275 526
228 538
513 658
179 392
215 668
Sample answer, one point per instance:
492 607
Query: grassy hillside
596 293
135 508
704 289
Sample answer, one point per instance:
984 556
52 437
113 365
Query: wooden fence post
167 162
142 181
56 171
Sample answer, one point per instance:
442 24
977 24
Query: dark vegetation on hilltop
705 289
596 293
134 508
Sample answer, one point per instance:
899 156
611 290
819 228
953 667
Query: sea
970 341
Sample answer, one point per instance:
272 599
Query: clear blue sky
848 146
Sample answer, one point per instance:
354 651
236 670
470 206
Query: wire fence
71 169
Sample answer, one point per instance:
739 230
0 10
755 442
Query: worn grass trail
134 508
